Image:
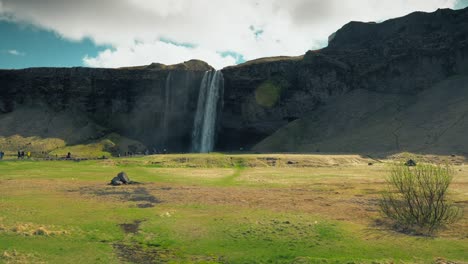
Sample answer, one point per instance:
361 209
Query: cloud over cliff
171 31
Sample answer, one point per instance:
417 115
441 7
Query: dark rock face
153 104
400 56
405 55
244 120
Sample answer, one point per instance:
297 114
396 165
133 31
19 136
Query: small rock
123 177
41 232
116 181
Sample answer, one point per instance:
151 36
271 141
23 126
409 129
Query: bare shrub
416 198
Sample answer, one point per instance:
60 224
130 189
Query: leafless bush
416 198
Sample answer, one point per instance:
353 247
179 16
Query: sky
117 33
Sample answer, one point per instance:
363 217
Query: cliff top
410 28
267 60
193 65
413 28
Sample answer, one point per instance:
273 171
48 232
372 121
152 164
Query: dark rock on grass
123 177
116 181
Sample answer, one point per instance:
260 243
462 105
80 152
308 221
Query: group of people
21 154
147 152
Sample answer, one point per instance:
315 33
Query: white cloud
15 52
157 51
134 27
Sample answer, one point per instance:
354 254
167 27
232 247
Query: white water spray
167 107
204 129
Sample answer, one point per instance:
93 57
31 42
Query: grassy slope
41 130
110 145
368 122
267 60
242 212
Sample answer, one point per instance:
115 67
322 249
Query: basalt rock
123 177
152 104
410 163
116 181
402 56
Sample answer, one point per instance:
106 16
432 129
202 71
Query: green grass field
212 209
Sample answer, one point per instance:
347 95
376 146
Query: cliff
369 90
152 104
400 57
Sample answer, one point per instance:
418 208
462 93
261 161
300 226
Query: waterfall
204 129
167 108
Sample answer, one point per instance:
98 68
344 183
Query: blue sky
461 4
27 44
24 46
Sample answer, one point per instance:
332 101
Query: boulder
123 177
410 163
116 181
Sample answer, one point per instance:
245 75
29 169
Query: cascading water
211 89
167 108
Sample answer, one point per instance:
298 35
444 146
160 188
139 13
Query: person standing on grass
29 154
2 154
19 154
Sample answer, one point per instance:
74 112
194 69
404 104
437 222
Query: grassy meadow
212 208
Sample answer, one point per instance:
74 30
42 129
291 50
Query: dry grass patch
193 173
215 160
30 229
15 257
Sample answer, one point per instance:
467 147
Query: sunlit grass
210 212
